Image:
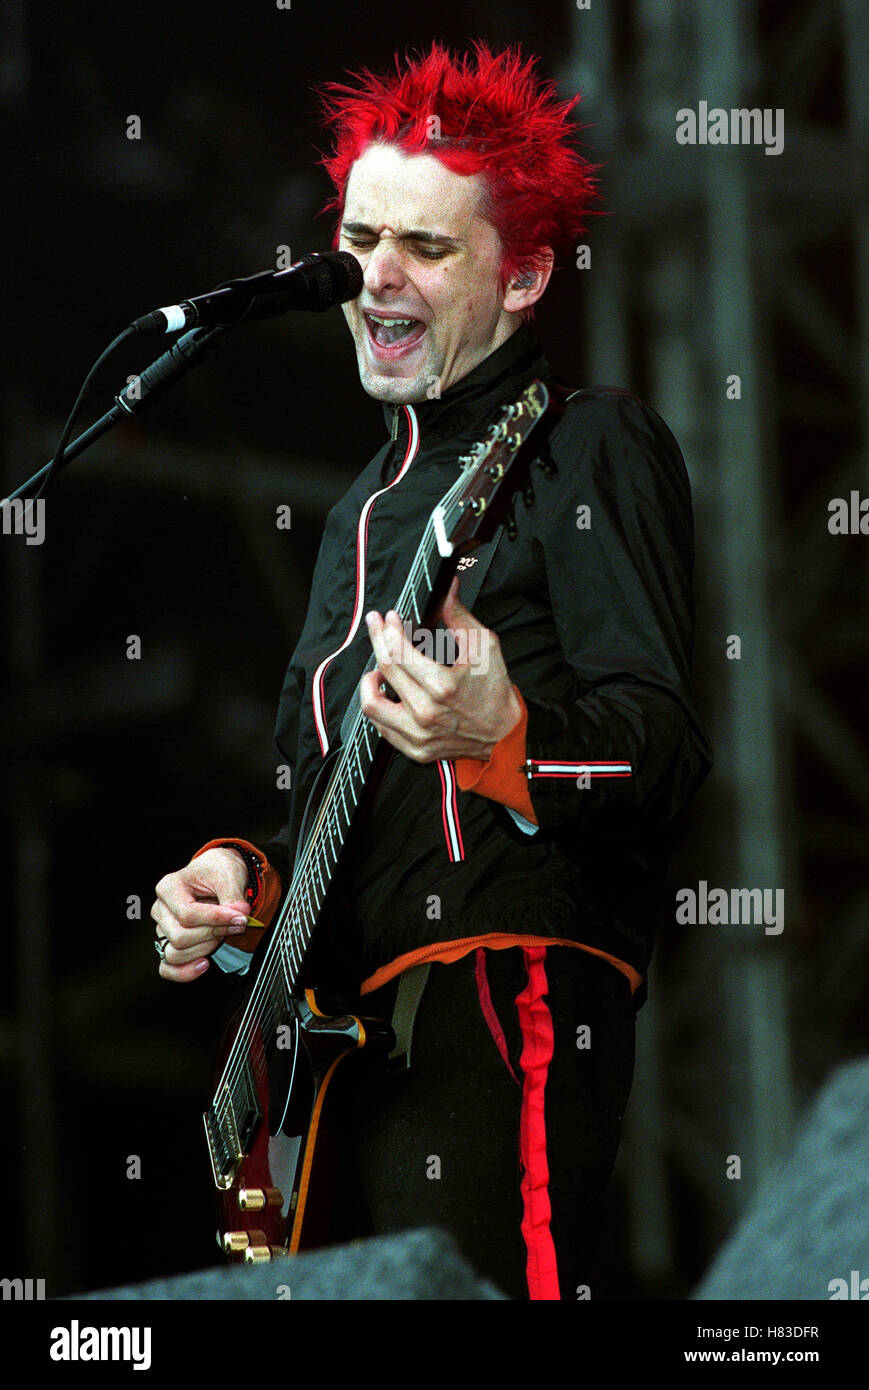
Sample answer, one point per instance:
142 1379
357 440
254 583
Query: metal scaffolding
711 247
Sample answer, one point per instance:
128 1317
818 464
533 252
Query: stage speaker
423 1264
806 1235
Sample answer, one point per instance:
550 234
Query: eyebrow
431 238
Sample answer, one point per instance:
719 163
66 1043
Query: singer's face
428 256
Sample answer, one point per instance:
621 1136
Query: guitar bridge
227 1139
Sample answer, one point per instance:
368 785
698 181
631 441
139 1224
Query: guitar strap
411 984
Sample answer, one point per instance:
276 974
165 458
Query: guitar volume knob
236 1241
258 1198
257 1255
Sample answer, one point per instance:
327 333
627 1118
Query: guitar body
280 1194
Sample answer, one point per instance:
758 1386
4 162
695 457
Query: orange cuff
264 904
503 777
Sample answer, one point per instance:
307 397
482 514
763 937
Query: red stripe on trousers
535 1022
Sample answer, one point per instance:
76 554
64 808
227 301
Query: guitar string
282 959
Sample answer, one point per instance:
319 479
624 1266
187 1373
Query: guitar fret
329 863
296 960
288 973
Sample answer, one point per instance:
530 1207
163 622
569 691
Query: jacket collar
465 405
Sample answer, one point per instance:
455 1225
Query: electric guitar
268 1124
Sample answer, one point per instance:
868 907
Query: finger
192 904
183 974
386 715
393 722
389 641
187 955
453 609
184 936
452 595
474 641
416 679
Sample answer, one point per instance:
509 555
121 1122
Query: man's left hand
458 711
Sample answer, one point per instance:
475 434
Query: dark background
713 261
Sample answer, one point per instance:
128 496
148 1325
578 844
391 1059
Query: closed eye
367 243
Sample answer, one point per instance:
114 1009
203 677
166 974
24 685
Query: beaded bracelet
254 866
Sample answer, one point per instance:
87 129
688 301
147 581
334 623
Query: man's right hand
197 908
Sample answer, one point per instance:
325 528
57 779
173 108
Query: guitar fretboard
316 864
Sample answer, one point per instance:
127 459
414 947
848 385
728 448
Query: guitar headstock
494 470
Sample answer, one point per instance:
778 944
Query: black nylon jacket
596 628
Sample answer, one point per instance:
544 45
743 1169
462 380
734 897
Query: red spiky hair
497 119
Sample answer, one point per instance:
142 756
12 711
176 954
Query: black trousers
440 1144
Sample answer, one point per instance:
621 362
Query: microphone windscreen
350 275
332 278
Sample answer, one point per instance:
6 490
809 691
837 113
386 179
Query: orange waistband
449 951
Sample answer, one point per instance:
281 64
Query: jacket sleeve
616 530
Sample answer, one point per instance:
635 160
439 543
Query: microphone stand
188 351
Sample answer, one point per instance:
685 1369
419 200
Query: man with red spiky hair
514 858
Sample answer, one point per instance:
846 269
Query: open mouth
391 334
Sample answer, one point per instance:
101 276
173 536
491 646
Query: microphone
316 282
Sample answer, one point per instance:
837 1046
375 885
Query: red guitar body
279 1200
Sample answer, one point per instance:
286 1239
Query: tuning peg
528 495
510 524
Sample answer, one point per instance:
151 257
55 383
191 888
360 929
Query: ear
527 286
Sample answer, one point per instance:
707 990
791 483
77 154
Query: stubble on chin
396 390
